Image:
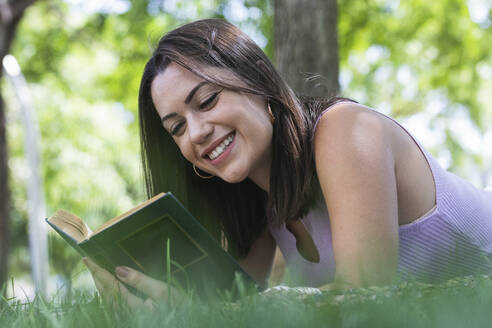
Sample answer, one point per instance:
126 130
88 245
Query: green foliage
402 57
84 73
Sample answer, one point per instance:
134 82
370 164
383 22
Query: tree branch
17 7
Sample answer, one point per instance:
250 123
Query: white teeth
220 148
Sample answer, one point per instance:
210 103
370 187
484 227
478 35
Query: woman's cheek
185 151
188 156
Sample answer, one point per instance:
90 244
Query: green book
139 239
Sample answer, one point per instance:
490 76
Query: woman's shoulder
350 122
347 111
353 138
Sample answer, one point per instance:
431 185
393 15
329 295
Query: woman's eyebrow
168 116
186 101
193 91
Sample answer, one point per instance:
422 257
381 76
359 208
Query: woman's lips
213 146
225 153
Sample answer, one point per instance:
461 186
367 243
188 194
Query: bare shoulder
354 142
351 126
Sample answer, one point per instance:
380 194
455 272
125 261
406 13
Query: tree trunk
306 45
306 51
4 198
11 12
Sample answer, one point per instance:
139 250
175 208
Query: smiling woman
346 193
225 133
218 58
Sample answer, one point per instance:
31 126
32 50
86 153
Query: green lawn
464 302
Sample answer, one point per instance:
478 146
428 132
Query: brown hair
243 209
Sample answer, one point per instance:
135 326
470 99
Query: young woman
346 193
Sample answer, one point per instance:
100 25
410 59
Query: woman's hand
112 289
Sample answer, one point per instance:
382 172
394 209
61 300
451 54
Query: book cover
139 240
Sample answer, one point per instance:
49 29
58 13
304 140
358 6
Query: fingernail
122 271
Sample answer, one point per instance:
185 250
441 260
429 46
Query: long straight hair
241 210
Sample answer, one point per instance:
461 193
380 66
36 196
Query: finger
149 303
153 288
111 289
105 280
106 284
132 301
121 298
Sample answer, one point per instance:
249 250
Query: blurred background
70 86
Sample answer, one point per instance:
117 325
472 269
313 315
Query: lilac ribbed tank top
453 239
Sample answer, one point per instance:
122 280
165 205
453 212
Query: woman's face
222 132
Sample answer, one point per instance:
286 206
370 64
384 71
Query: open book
140 237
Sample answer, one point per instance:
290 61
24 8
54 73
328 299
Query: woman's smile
217 154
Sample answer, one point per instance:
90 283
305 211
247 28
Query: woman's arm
356 169
258 262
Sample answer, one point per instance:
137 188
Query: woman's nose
199 130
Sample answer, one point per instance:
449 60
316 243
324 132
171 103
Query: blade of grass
168 269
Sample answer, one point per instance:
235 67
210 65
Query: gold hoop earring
272 117
201 176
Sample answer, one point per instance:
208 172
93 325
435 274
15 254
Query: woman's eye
175 129
209 100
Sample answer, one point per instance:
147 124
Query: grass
462 302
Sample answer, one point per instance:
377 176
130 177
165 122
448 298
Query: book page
128 213
70 224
